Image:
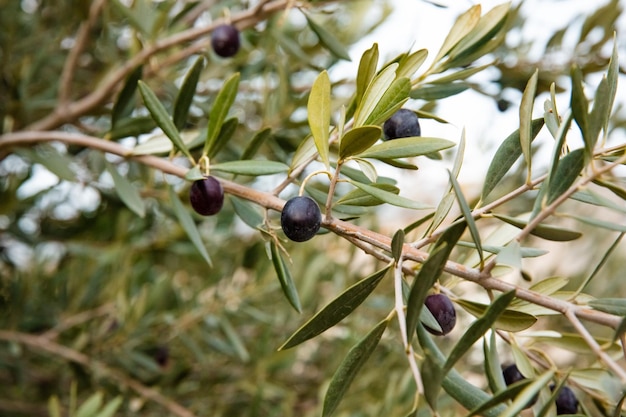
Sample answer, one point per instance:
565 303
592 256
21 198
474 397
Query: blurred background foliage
131 293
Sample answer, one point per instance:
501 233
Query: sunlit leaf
525 119
409 64
187 223
219 110
389 197
438 91
251 167
127 192
284 276
393 99
461 28
367 71
358 140
318 110
359 197
508 320
406 147
335 311
352 363
374 92
161 144
185 95
91 405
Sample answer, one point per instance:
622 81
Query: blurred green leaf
396 244
187 223
161 144
124 104
284 276
162 119
219 110
247 212
328 39
54 406
409 64
429 273
406 147
91 405
358 140
438 91
133 127
392 100
194 174
389 197
568 169
127 192
335 311
615 226
580 106
366 71
110 408
373 94
359 197
186 93
508 319
255 143
464 24
543 231
55 162
527 394
251 167
318 110
615 306
352 363
467 214
460 75
525 118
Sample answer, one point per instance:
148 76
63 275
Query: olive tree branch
339 227
43 344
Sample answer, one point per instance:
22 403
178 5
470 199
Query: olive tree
198 218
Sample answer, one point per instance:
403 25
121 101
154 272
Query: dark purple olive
512 374
403 124
443 311
206 196
566 401
301 218
225 40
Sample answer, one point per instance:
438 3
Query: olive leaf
285 278
318 109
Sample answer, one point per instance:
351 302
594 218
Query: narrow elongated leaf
527 394
162 119
509 320
284 276
493 370
508 152
460 75
467 214
580 105
358 140
455 384
110 408
396 244
568 169
374 92
132 127
328 39
389 197
600 113
429 273
186 93
247 212
255 143
366 72
161 144
479 328
462 27
409 64
406 147
354 360
508 393
394 98
55 162
219 110
611 77
318 108
254 167
483 31
359 197
615 306
335 311
186 221
90 406
226 133
525 119
543 231
438 91
124 103
127 193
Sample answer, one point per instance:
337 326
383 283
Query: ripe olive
442 309
512 374
566 401
206 196
402 124
225 40
301 218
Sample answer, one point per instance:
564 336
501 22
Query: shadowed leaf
186 93
187 223
128 194
124 103
219 110
568 169
284 276
543 231
328 39
509 320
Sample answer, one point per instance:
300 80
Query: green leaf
132 127
460 75
352 363
389 197
335 311
318 108
612 77
406 147
396 244
580 105
54 406
528 393
509 320
194 174
461 28
284 276
456 385
432 373
525 119
366 72
162 119
219 110
357 140
568 169
90 406
615 306
247 212
186 221
409 64
160 144
328 39
429 273
110 408
543 231
255 143
392 100
250 167
373 94
226 133
438 91
493 370
124 103
359 197
127 193
55 162
186 93
509 151
477 329
467 214
508 393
